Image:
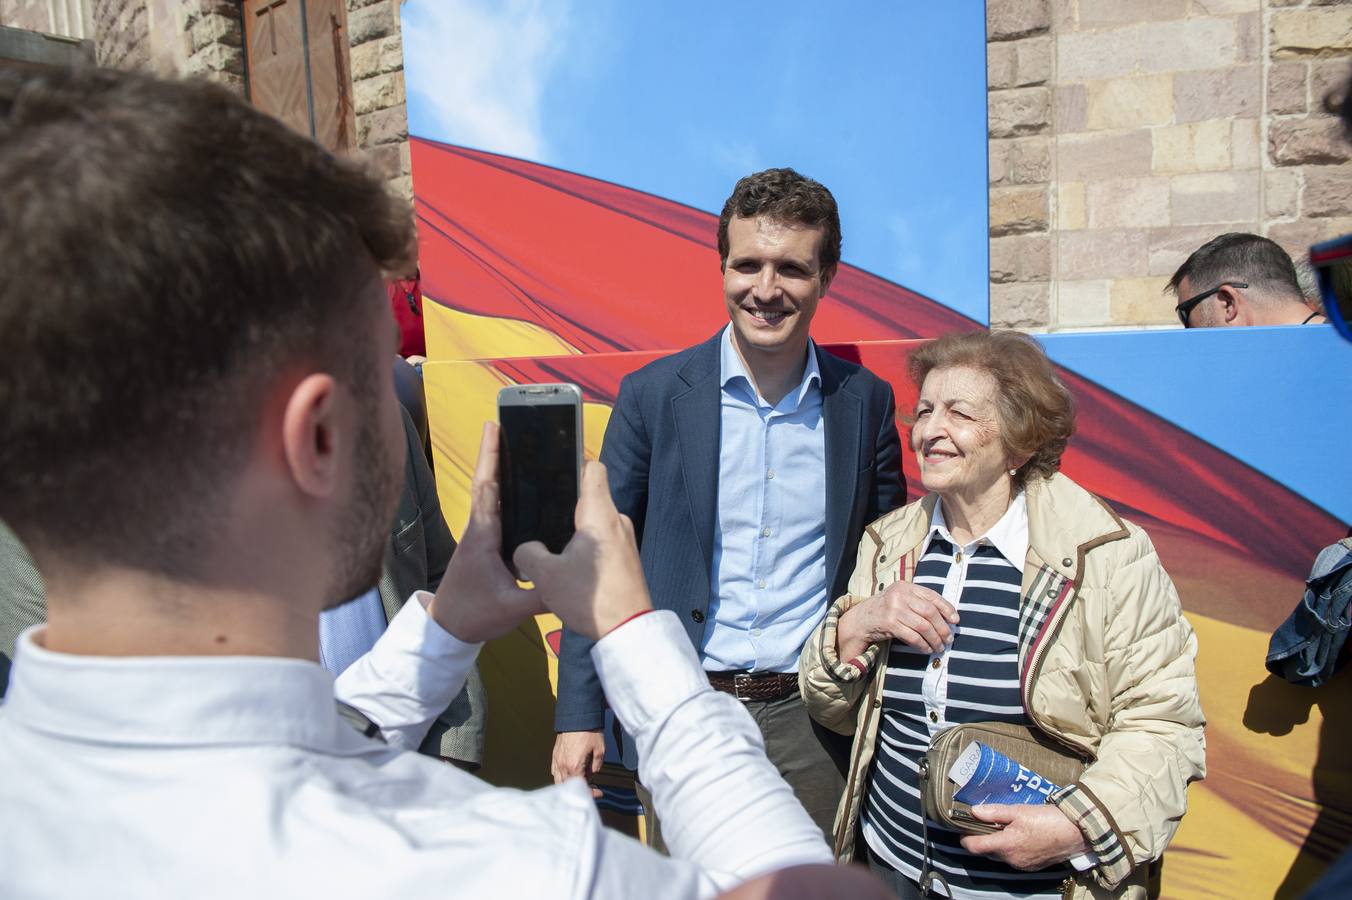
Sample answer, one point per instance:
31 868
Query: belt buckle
739 681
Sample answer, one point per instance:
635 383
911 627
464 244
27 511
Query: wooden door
296 53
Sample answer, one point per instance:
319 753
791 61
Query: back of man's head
784 196
1249 258
167 253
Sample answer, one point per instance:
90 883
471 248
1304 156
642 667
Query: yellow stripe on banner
455 335
1273 774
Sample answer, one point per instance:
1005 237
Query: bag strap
928 875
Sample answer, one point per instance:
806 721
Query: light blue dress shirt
769 553
347 632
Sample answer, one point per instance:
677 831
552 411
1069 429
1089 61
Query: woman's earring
1013 472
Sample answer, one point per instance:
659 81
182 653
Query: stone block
1218 93
1089 157
377 57
383 126
1296 237
1214 197
1311 32
1096 55
1010 19
1111 253
1281 194
1313 141
1249 32
1081 303
1063 16
1017 210
1000 65
1072 108
1286 88
1245 144
1128 202
1190 44
1130 102
1140 301
997 161
1110 13
1197 147
401 187
213 29
215 58
380 92
384 161
372 22
1070 205
1328 78
1018 63
1226 7
362 4
1328 192
1167 248
1020 305
1278 3
1021 257
1019 111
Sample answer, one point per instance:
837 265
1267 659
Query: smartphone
540 464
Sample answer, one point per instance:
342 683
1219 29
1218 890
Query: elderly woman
1008 594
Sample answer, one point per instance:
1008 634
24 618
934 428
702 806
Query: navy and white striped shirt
975 680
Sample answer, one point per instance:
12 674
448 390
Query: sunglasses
1185 308
1332 262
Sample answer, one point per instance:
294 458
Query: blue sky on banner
885 105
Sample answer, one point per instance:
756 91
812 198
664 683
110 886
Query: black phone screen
538 467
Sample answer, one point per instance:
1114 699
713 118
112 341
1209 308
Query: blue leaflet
988 776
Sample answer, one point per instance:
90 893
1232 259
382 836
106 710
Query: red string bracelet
642 612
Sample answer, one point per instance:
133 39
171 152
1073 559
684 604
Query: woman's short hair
1036 411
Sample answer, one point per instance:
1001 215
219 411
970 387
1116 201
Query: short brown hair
784 196
166 250
1036 411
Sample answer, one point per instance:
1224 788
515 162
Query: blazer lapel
842 412
696 410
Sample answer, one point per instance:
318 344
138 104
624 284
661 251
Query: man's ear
829 275
1230 310
310 435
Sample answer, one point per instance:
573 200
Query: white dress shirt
235 777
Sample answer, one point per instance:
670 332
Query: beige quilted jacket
1105 663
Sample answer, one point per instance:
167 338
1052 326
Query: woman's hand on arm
914 615
1033 836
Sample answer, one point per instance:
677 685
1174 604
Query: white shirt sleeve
409 677
721 802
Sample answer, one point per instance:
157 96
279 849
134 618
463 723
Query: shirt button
770 475
760 583
936 663
697 615
957 557
880 585
755 632
882 557
934 716
766 532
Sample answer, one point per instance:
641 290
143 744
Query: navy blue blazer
661 452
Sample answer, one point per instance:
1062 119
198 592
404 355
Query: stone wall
172 37
378 90
1126 133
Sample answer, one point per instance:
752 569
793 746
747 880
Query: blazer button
697 615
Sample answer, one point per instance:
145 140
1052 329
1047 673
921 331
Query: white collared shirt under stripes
975 679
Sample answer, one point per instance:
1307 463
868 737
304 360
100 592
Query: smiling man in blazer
750 465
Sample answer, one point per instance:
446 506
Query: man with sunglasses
1240 279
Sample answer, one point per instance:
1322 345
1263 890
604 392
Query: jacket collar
1064 522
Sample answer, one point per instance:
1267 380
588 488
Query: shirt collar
1009 535
731 368
175 700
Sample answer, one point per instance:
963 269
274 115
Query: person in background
1008 594
749 465
1240 279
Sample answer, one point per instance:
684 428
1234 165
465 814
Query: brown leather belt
755 685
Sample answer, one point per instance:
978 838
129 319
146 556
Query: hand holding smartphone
540 449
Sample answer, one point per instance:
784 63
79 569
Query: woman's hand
1033 837
914 615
